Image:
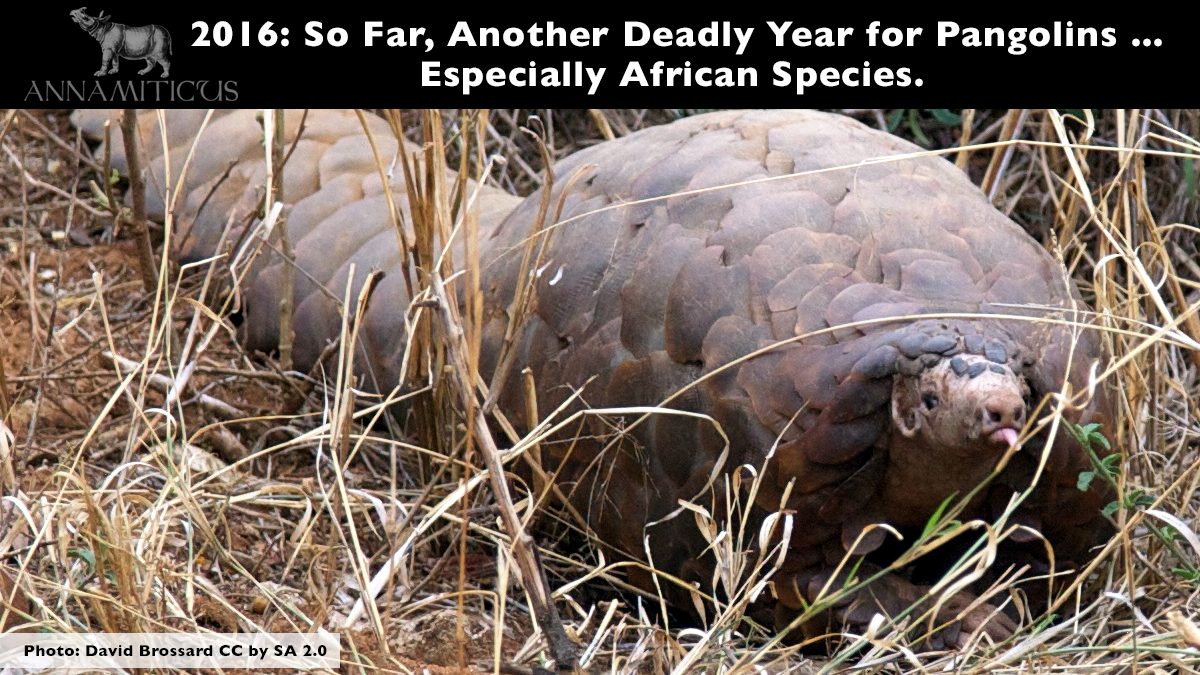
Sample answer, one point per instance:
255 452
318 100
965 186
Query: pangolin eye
930 401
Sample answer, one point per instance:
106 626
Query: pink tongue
1009 435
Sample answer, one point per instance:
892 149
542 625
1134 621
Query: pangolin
849 318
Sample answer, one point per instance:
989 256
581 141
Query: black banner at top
226 54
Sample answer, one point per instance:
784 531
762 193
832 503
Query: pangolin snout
1002 416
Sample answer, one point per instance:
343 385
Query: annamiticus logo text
134 91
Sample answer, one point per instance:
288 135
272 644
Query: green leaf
1186 574
1110 464
1045 623
946 117
850 578
1137 498
84 555
1085 480
1189 178
1091 434
932 523
914 125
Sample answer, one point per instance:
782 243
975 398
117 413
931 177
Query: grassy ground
154 486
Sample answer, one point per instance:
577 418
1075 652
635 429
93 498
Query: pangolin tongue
1007 434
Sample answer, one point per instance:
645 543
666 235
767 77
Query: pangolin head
963 405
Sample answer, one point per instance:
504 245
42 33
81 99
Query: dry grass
170 488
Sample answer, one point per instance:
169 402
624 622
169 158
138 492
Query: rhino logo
118 41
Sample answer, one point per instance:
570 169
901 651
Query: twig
4 402
602 123
41 388
51 188
273 125
1013 123
49 135
8 120
164 384
137 190
533 576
